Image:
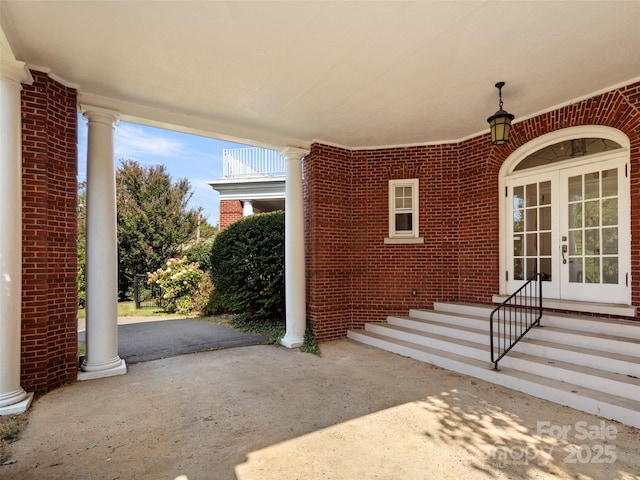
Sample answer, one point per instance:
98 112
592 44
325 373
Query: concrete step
591 358
579 397
463 332
523 357
615 383
613 336
470 320
588 340
596 308
441 342
621 358
627 329
476 329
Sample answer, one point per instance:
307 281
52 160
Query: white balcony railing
252 162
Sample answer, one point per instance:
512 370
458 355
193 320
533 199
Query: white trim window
403 212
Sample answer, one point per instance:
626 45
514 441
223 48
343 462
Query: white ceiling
357 74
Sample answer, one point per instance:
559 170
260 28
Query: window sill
403 241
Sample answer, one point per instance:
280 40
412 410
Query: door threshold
587 307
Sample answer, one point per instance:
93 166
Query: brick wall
49 267
383 276
230 212
328 239
353 277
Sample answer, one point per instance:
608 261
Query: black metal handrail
515 317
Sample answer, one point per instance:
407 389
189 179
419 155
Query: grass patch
224 320
10 426
128 309
247 324
212 349
275 332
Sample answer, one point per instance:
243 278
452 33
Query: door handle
564 252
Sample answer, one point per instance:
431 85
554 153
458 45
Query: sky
198 159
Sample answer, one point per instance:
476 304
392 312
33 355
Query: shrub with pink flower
182 284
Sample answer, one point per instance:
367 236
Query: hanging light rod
500 122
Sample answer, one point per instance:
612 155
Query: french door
571 224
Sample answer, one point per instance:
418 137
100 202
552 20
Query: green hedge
247 268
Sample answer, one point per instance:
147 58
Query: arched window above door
567 150
547 150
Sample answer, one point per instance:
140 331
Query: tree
207 231
81 241
200 252
153 219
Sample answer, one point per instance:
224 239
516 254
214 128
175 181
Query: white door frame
618 293
507 169
551 289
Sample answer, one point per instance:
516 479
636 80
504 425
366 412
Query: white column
247 208
294 267
101 359
13 398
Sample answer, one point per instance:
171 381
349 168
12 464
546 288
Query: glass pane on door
532 223
593 227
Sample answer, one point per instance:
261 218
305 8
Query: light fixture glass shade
500 124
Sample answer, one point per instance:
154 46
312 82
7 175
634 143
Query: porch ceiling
348 73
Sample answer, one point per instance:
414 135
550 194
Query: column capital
10 68
15 71
100 115
294 153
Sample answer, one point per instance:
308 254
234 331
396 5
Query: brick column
13 398
102 358
230 212
295 286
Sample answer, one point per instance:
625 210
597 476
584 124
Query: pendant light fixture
500 122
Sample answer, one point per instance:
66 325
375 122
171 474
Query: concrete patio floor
356 412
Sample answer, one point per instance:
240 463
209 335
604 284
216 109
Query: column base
119 369
292 342
17 408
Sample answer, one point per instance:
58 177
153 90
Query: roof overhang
353 74
250 188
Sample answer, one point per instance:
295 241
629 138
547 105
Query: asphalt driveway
152 340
